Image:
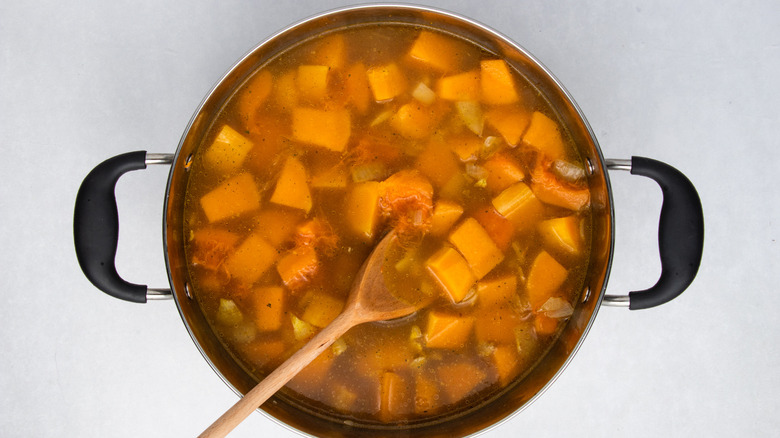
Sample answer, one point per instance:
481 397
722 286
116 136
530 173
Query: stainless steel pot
681 229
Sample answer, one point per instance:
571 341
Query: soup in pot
337 141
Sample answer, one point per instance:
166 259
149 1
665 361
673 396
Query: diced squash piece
498 86
436 51
330 177
503 171
497 291
362 209
562 234
424 94
470 113
233 197
462 86
356 87
302 330
227 151
386 81
252 258
544 325
452 272
298 267
417 121
496 325
277 224
254 95
322 309
292 189
476 246
386 353
228 313
506 361
394 396
313 375
550 190
438 163
330 51
518 204
312 82
544 278
325 128
445 214
544 135
270 135
447 331
462 379
510 122
269 308
466 147
264 352
285 91
500 229
426 395
210 246
242 333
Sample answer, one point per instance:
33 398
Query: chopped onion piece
476 171
373 171
568 172
490 146
381 117
470 113
424 94
557 308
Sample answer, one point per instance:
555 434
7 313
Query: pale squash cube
251 260
426 395
476 246
436 51
356 87
234 196
544 278
462 86
322 309
292 189
463 379
452 272
362 209
497 291
312 82
269 304
386 81
330 51
510 122
498 86
285 91
448 331
445 214
544 135
496 325
228 150
298 267
228 313
394 397
562 235
330 129
503 171
506 359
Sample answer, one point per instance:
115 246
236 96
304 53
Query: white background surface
690 83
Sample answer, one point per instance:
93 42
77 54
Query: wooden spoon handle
280 376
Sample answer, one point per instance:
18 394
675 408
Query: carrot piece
518 204
562 234
426 395
500 229
298 267
505 360
550 190
436 51
544 325
503 171
476 246
276 225
544 278
445 214
254 95
362 209
269 308
210 246
394 396
356 87
510 122
330 51
452 272
461 379
313 375
312 82
461 87
447 331
322 309
417 121
544 135
496 325
498 86
497 291
438 163
251 259
386 81
292 189
330 129
233 197
285 91
227 151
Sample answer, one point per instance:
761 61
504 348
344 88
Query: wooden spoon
369 300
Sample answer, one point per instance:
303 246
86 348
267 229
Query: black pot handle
96 226
680 233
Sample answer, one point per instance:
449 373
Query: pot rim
564 93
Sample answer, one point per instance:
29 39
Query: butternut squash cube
269 308
496 325
210 246
447 331
498 86
466 147
452 272
322 309
500 229
292 189
277 224
285 91
330 129
233 197
251 259
497 291
510 122
436 51
298 267
330 51
562 235
362 209
356 87
544 135
445 214
227 151
517 203
438 163
394 397
506 360
462 86
544 278
463 379
476 246
503 171
415 120
265 352
254 95
386 81
312 82
426 395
